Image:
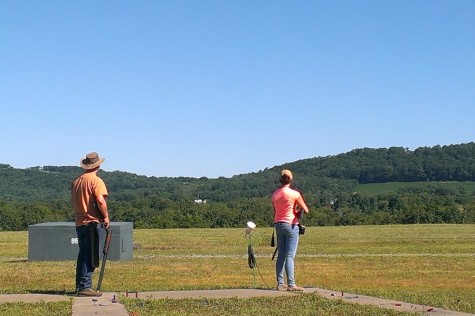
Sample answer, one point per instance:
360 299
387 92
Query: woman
286 201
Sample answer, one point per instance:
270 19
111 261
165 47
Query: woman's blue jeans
84 267
287 243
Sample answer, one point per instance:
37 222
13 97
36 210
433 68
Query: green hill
363 186
374 189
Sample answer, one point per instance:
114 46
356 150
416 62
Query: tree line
329 184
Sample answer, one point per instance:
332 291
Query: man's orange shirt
83 193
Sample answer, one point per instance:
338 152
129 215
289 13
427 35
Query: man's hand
106 222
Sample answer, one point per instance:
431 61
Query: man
88 195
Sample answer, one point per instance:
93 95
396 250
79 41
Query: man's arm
102 205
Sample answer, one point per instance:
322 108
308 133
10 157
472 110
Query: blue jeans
287 243
84 266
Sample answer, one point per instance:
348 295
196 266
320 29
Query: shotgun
105 251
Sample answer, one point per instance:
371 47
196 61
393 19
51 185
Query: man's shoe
89 293
281 287
295 288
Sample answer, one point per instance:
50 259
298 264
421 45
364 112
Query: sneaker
295 288
281 287
90 293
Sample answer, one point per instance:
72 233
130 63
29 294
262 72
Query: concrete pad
81 306
230 293
104 305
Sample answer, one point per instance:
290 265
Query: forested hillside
330 185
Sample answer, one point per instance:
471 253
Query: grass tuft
36 309
304 304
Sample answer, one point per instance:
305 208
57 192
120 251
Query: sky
217 88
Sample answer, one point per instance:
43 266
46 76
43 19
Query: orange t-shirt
83 195
284 200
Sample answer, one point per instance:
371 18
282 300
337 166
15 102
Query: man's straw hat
91 161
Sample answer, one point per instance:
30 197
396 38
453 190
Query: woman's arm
302 204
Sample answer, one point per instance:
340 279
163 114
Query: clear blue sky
220 88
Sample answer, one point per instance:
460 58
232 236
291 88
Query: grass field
431 265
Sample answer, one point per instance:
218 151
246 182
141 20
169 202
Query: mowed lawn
433 265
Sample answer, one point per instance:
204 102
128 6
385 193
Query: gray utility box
58 241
